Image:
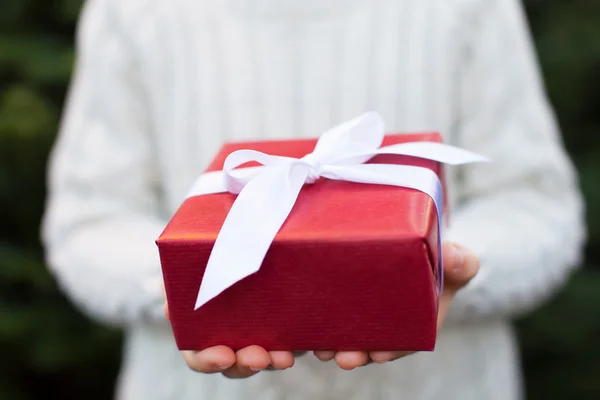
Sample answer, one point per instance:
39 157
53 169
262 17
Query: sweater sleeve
523 212
103 213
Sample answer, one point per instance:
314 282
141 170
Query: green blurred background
49 350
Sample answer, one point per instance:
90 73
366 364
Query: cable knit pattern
160 85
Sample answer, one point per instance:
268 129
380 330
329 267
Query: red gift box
354 267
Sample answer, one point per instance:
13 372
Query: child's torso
235 70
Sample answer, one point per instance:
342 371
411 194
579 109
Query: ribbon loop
267 194
364 133
235 183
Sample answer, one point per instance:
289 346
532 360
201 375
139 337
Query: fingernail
222 367
465 261
459 257
472 263
255 369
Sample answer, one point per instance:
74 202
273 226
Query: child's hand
460 266
241 364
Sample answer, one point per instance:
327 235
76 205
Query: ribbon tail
434 151
208 183
256 216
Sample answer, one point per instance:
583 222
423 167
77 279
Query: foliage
44 340
49 349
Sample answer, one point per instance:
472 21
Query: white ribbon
267 194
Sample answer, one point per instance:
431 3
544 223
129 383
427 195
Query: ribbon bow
267 194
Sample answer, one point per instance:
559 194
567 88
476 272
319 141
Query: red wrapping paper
353 268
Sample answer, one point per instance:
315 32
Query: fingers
281 359
345 359
460 266
243 364
249 361
166 311
324 355
385 356
214 359
351 359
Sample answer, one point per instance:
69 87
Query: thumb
460 266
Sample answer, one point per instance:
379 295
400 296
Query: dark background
49 350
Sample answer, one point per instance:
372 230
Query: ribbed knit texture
160 85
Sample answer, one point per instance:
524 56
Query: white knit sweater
159 85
